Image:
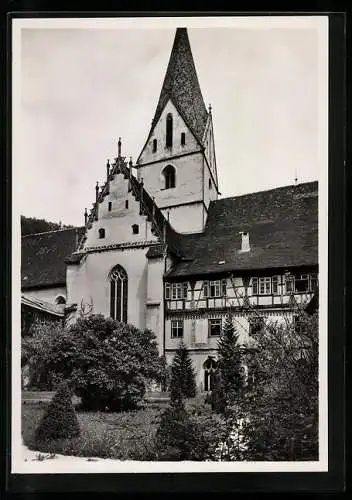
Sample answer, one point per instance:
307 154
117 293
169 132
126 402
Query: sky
79 88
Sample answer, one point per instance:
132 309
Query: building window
216 288
177 328
266 285
256 325
176 291
183 138
135 228
209 367
210 184
301 283
169 130
60 300
109 206
155 145
126 204
101 233
214 326
118 294
169 174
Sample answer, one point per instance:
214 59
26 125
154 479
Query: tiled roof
43 256
283 232
41 305
181 85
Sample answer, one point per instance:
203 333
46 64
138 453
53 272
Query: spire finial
119 148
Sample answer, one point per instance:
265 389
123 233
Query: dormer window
155 145
169 131
183 138
135 229
101 233
169 174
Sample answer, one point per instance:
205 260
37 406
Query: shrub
60 420
108 363
182 437
282 405
183 383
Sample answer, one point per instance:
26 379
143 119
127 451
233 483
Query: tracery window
209 367
118 294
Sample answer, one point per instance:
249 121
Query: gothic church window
169 131
101 233
177 328
183 138
169 174
155 145
118 294
209 367
135 228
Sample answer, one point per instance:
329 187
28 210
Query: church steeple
181 85
178 162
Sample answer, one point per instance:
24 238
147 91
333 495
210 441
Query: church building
161 250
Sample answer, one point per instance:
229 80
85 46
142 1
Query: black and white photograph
170 228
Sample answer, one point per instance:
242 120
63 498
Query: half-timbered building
162 251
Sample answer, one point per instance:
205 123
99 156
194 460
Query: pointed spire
182 86
119 148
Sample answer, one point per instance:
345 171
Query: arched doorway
209 367
118 294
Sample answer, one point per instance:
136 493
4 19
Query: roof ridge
53 231
265 191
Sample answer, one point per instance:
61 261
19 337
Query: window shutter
223 287
167 290
185 289
206 288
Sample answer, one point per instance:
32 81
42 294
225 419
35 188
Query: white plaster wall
46 294
155 304
186 218
89 281
159 133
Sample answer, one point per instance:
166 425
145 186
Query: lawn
123 436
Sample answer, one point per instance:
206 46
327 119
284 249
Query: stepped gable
43 256
283 232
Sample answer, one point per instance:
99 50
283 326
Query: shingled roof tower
178 163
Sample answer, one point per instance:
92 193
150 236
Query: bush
60 420
282 405
183 383
182 437
108 363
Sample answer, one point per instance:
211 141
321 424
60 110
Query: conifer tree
228 382
60 420
183 383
